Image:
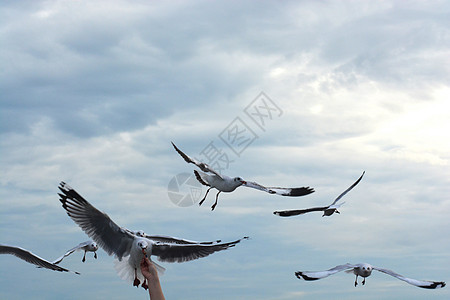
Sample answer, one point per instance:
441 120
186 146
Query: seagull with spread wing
327 210
364 270
226 184
127 246
88 246
31 258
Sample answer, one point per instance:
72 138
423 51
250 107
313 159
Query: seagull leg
136 280
364 281
356 280
215 203
84 257
144 284
203 200
95 255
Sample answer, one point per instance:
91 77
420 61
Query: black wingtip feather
301 191
281 214
435 285
300 275
199 178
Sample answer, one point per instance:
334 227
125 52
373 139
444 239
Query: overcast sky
92 93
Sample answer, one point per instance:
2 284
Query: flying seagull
364 270
226 184
88 246
31 258
327 210
127 246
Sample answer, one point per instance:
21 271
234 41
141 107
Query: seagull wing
347 190
173 240
187 252
292 192
295 212
96 224
204 167
31 258
315 275
76 248
419 283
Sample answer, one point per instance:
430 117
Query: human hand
148 269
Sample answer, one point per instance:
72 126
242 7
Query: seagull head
93 246
140 233
365 270
143 244
239 180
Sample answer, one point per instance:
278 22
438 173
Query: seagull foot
136 282
145 285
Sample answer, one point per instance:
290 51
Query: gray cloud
93 93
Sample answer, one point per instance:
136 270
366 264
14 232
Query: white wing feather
419 283
315 275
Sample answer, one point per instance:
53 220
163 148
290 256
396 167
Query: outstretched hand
150 273
148 269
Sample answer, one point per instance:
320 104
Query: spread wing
204 167
419 283
292 192
96 224
187 252
347 190
76 248
295 212
31 258
315 275
173 240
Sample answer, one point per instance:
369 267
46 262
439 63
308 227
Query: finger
143 263
147 260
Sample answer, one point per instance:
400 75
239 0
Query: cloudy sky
298 93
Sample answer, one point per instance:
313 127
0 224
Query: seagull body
31 258
365 270
129 247
223 183
88 246
327 210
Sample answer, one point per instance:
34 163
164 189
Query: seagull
364 270
327 210
88 246
31 258
127 246
226 184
